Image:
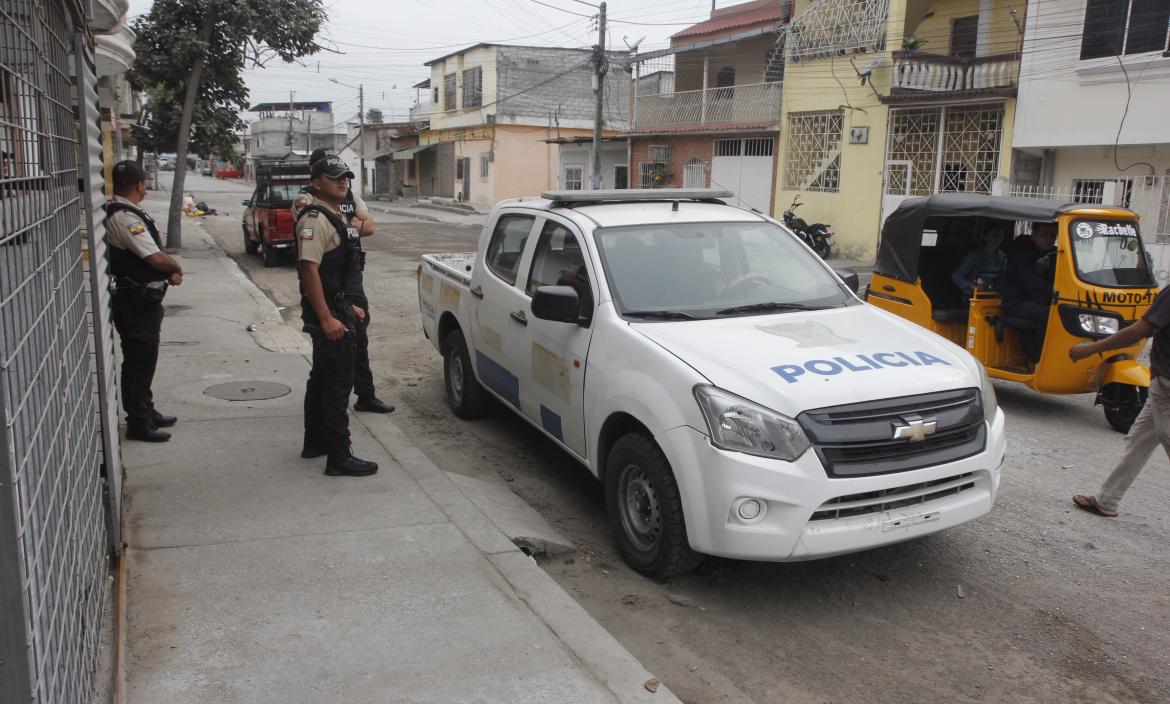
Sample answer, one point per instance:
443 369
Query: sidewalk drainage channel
247 390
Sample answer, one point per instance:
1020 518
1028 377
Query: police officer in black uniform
354 211
142 272
329 264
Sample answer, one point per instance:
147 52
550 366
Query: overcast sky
383 43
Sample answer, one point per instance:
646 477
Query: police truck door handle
477 291
519 317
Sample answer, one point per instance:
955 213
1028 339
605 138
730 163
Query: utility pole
600 67
290 115
362 135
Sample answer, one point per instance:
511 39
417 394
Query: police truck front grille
860 439
891 499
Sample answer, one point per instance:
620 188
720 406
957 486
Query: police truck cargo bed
732 393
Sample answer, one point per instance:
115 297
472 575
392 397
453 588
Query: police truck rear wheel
467 398
645 509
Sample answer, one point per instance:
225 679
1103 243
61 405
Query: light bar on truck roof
639 195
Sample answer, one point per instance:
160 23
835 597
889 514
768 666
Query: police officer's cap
127 174
318 154
333 167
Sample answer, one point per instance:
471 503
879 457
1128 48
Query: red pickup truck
268 223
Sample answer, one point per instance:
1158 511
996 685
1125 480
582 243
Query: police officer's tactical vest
126 266
340 269
348 207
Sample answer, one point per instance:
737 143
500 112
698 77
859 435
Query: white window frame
814 138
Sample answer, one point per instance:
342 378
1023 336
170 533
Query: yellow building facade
888 99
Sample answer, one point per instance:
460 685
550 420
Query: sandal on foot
1090 504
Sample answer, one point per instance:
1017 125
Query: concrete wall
444 116
524 74
1068 102
612 154
519 79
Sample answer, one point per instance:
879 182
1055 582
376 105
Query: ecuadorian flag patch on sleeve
307 234
137 229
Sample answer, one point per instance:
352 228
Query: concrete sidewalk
422 212
254 578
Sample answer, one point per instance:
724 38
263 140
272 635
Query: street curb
406 213
593 646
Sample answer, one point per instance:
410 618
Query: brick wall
682 150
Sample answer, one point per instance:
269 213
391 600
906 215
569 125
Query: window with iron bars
813 162
449 90
574 178
473 87
653 174
947 149
1092 190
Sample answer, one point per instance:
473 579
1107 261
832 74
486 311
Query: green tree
373 116
191 58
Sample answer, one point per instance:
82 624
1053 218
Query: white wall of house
1066 101
573 156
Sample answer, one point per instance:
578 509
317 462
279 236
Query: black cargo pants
363 376
138 325
327 394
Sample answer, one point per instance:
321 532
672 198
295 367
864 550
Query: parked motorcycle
817 235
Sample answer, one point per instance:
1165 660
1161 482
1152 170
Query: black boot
144 431
372 405
349 466
161 421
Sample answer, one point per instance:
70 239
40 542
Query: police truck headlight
739 425
1097 324
987 392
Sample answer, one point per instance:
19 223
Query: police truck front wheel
467 398
645 509
250 245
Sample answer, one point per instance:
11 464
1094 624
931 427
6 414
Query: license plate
908 521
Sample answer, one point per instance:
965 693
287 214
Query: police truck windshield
1110 253
708 270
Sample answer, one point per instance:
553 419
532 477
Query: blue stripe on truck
551 422
498 379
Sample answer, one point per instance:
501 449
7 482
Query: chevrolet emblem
914 428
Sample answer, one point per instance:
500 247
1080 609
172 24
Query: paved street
1036 603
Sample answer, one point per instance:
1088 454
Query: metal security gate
53 538
745 167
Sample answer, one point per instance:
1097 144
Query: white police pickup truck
732 393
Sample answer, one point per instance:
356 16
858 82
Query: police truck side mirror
849 278
556 303
246 203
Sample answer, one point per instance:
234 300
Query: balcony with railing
731 107
919 75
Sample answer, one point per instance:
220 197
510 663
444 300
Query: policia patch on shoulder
307 234
137 229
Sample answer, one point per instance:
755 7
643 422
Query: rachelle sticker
856 363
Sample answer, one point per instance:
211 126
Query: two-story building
1092 123
706 111
495 113
887 99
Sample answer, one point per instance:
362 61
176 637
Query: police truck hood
792 362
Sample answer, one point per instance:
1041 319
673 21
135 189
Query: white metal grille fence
931 150
52 519
813 162
834 27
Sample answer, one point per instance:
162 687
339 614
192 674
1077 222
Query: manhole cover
247 390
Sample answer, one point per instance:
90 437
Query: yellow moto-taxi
1101 281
